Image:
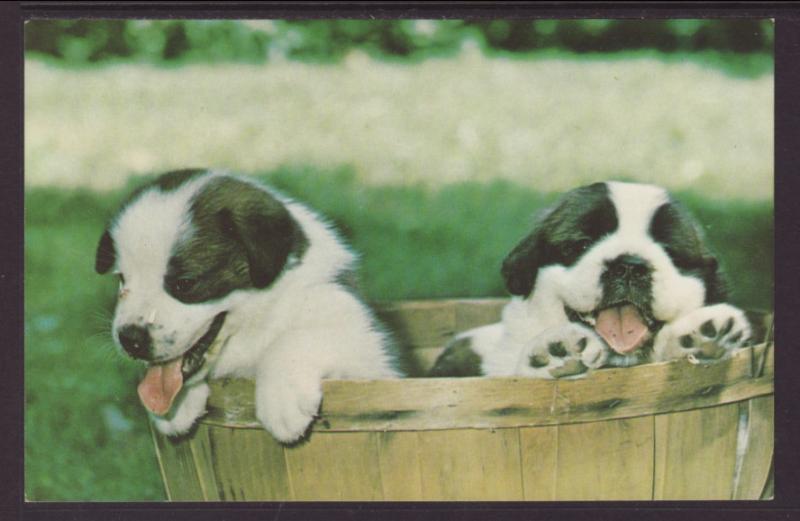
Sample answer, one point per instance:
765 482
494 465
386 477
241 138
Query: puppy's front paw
190 406
708 333
567 351
287 409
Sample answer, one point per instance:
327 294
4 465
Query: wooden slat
432 323
695 453
769 488
539 451
470 465
342 466
426 357
400 466
422 323
448 403
468 314
177 468
757 453
477 312
606 460
245 464
204 461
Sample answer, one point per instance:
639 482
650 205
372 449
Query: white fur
529 324
288 337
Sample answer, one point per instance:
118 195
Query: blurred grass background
431 144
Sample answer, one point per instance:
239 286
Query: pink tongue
160 385
622 328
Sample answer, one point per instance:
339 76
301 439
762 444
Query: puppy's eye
575 248
183 286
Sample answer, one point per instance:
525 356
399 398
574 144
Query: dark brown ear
683 239
716 286
106 254
521 266
268 235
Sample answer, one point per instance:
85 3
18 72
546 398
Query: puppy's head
622 258
186 249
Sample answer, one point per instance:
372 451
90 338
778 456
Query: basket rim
489 403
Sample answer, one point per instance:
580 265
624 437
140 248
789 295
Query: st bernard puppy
220 276
615 274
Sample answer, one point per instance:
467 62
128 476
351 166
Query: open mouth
623 325
163 380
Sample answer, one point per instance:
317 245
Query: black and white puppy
220 276
615 274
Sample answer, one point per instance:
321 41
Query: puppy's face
186 249
621 258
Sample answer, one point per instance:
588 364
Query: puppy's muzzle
629 266
136 341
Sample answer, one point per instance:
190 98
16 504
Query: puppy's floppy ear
106 254
268 235
682 236
716 285
521 266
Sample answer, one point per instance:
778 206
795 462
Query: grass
548 122
86 435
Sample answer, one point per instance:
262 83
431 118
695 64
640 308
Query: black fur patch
165 183
242 239
678 233
173 180
106 254
759 326
457 359
582 217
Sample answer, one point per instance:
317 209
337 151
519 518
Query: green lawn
85 433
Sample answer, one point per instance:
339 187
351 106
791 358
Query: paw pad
708 329
557 349
727 328
538 360
570 368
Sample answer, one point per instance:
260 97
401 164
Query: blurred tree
157 41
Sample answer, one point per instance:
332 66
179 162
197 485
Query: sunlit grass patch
548 123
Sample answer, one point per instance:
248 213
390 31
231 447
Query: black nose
135 340
628 265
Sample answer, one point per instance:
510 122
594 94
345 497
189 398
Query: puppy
220 276
615 274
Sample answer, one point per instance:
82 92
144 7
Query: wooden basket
661 431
